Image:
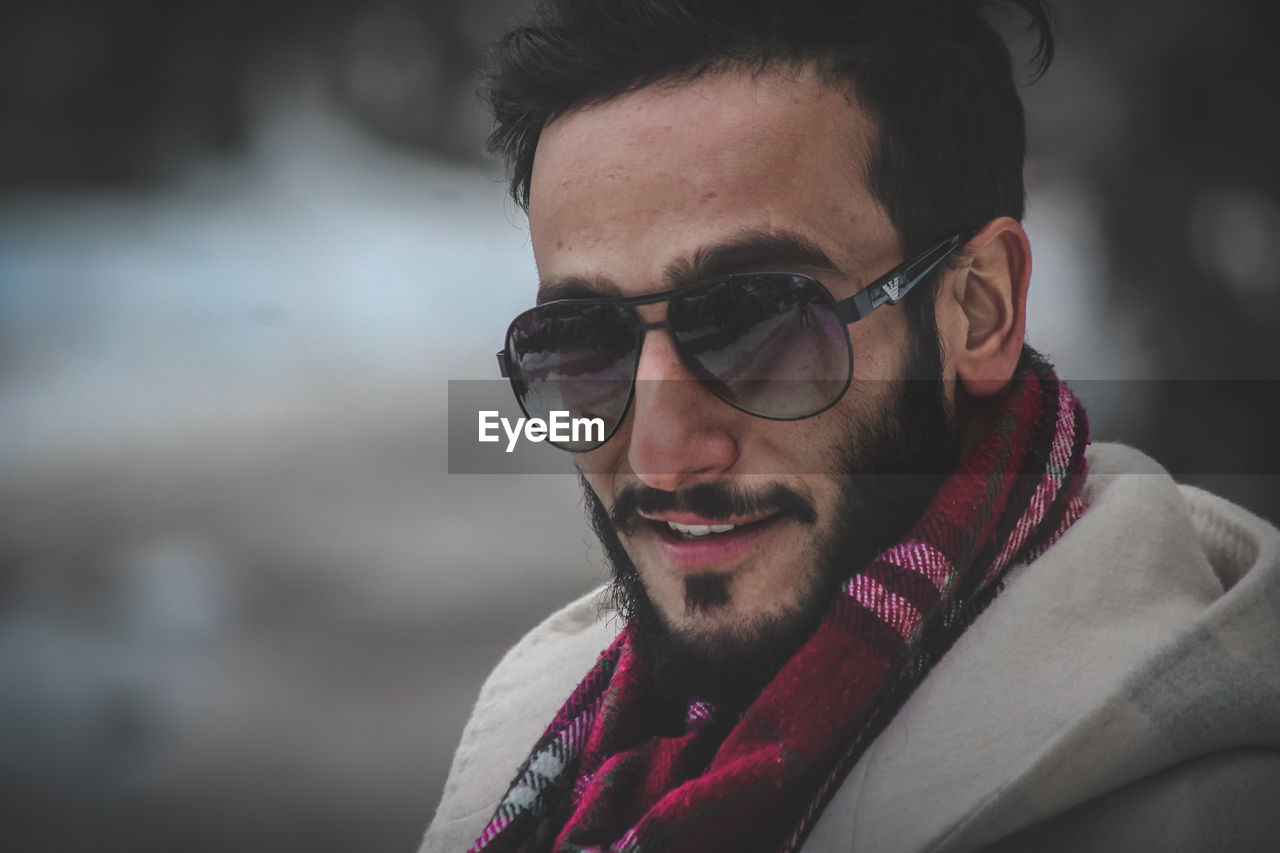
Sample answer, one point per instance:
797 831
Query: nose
680 434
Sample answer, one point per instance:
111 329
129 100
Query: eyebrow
747 251
575 287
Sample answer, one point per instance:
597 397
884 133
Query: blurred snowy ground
245 607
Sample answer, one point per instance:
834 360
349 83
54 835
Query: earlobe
992 298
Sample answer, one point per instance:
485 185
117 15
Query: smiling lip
694 518
718 551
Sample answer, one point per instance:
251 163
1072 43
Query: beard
888 469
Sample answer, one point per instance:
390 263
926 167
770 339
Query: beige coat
1122 693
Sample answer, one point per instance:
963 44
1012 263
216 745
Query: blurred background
243 247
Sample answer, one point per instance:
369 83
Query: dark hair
934 74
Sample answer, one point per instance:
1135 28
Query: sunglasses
771 344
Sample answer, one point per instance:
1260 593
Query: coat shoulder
518 699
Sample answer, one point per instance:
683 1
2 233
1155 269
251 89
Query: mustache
713 500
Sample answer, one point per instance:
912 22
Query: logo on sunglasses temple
891 288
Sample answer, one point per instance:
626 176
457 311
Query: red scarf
601 779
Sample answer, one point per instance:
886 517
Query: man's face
634 196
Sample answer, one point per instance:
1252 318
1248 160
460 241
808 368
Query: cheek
879 344
605 464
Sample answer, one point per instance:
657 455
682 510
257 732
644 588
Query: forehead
622 189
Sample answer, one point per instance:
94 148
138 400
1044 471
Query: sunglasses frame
889 289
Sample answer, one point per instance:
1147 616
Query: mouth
690 543
702 532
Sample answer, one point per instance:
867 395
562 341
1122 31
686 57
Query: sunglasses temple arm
897 283
503 370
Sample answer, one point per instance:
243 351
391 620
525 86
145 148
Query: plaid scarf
602 779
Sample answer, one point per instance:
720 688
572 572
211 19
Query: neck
976 417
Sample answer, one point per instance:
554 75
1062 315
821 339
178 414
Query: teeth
699 529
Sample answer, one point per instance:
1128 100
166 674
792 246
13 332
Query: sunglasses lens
770 344
576 359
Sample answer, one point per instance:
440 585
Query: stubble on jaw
731 663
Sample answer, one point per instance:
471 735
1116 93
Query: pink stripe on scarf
892 609
1047 489
922 558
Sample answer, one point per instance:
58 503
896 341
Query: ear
990 305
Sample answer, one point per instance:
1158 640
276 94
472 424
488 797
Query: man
871 594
